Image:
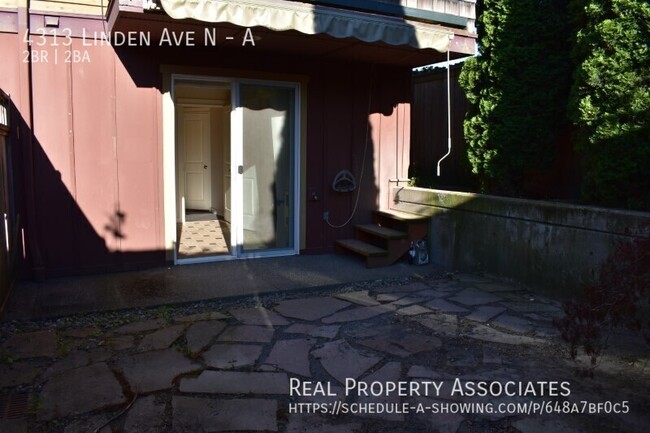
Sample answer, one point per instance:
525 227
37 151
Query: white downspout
448 112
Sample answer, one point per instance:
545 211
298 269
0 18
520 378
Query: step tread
362 248
382 232
402 216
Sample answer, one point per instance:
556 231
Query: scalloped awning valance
311 19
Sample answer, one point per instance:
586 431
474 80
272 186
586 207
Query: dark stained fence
560 181
429 132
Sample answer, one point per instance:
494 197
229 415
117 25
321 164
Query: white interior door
196 164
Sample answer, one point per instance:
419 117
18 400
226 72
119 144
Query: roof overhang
147 16
310 19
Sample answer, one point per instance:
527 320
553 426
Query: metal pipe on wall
448 113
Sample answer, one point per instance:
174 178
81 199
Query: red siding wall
96 160
98 146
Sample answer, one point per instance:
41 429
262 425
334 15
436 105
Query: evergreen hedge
517 89
611 100
544 63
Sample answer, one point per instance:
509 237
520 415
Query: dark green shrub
517 89
611 100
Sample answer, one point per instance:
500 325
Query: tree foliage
517 89
547 62
611 100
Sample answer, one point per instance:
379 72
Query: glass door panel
268 172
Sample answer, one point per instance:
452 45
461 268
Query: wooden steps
386 240
360 247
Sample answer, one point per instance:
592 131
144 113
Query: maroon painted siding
97 149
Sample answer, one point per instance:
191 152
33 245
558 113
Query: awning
310 19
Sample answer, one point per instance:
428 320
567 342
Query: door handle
205 167
240 169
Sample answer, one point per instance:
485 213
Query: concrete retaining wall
550 246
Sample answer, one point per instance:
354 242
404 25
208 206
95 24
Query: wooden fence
429 132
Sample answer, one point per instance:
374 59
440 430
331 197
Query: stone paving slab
258 316
491 356
440 324
229 356
80 390
390 372
413 310
236 382
484 313
343 361
155 371
145 416
390 297
360 298
472 297
192 414
120 342
161 339
432 293
324 331
310 308
76 359
200 334
360 313
20 372
247 334
462 358
291 356
408 300
94 423
32 345
367 329
445 306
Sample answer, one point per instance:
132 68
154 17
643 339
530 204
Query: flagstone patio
228 366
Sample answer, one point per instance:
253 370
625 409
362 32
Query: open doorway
203 168
236 168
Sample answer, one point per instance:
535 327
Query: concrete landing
190 283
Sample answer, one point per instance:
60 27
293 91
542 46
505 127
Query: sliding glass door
264 158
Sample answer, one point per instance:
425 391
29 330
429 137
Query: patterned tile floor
203 234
